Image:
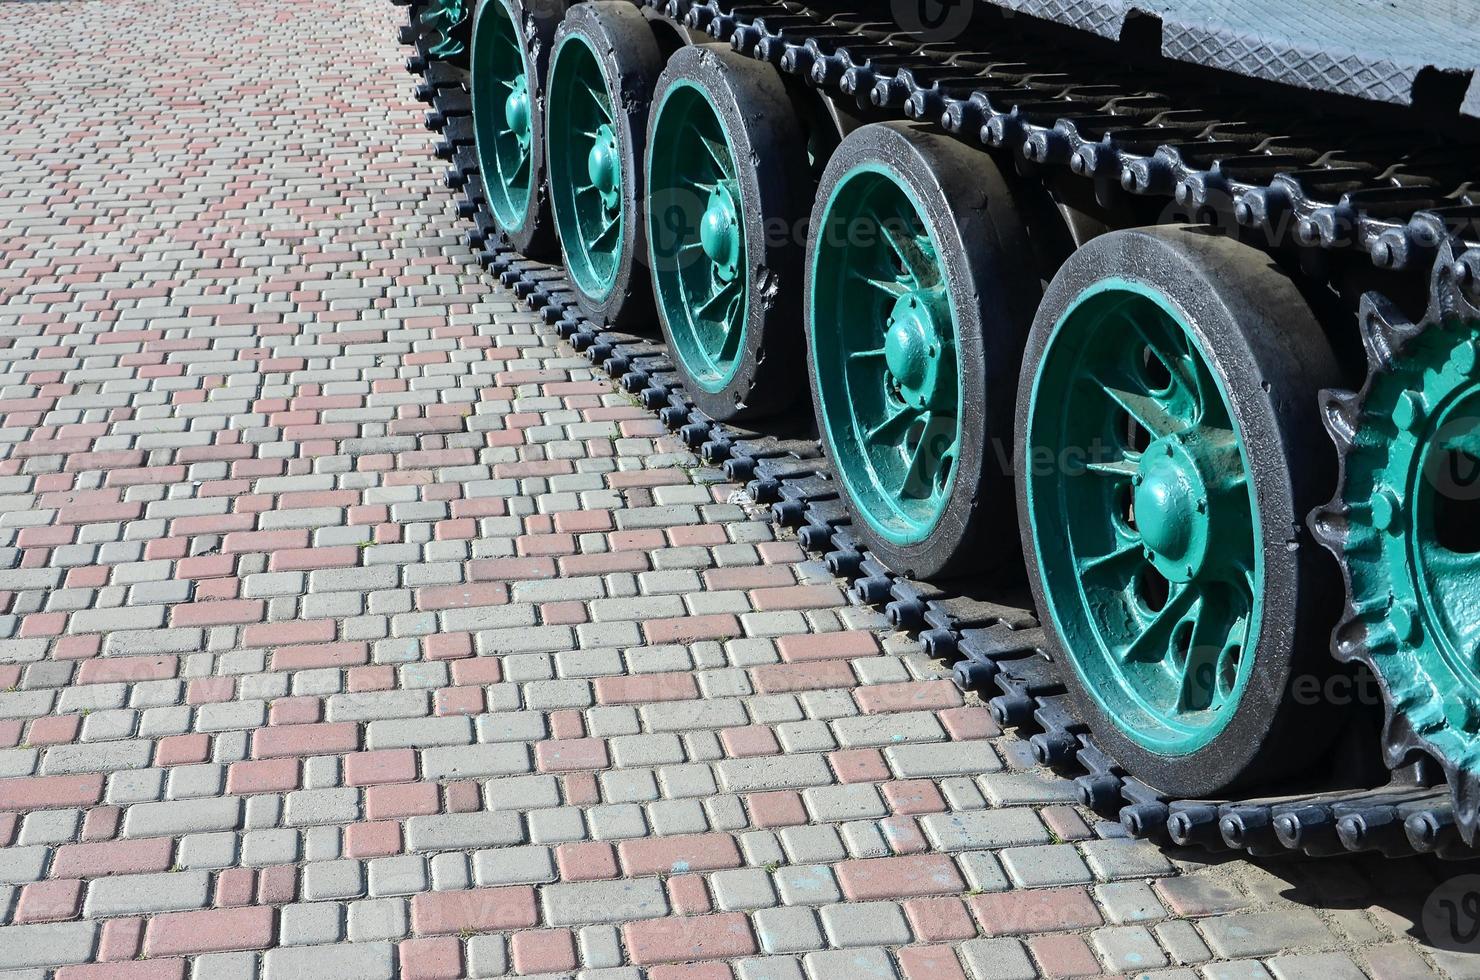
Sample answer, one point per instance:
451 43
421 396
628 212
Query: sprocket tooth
1465 789
1349 639
1384 330
1330 528
1341 412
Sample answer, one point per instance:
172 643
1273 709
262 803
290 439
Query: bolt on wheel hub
517 117
1171 510
604 164
719 231
912 349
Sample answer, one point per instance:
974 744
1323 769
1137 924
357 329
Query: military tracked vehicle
1126 351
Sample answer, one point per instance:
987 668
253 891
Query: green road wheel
723 240
507 73
603 71
920 289
1170 443
1405 526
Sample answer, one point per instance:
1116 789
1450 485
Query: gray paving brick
342 961
997 959
311 923
173 818
788 929
476 761
856 964
864 924
983 828
1128 948
454 831
596 902
1262 933
141 894
941 759
51 944
790 772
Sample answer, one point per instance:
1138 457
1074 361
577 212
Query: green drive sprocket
1405 525
443 23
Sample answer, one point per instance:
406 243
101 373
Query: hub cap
1143 518
696 235
517 115
503 123
586 162
884 347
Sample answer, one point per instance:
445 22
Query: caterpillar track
1384 201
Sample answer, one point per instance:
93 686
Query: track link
993 642
1395 195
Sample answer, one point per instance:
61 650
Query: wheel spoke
598 98
606 232
865 355
521 167
1199 687
733 333
719 154
1144 410
1154 641
895 425
891 287
1120 469
906 248
1126 558
722 296
924 466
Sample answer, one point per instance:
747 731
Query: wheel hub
719 232
517 114
1171 501
604 165
913 345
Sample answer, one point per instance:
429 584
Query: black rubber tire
630 61
537 21
758 116
994 288
1272 357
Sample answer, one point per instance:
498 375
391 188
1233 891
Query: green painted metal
1412 496
696 242
884 347
502 115
585 167
440 20
1143 517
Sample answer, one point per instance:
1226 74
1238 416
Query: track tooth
1384 330
1329 526
1465 787
1341 412
1349 639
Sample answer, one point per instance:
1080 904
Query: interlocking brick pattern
353 628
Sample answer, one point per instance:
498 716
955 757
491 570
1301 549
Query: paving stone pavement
353 628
